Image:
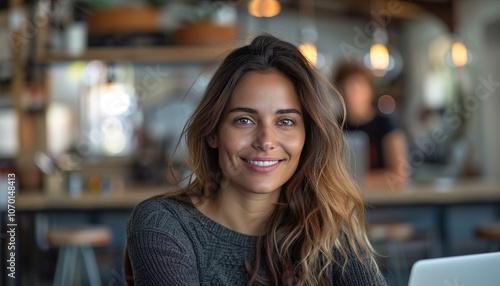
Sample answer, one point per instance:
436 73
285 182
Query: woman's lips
262 165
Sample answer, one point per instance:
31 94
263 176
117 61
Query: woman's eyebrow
243 109
253 111
288 110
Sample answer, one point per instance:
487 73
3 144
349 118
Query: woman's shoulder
160 213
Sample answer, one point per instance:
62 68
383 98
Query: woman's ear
212 141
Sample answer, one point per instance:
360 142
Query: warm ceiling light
264 8
379 57
254 8
309 51
459 55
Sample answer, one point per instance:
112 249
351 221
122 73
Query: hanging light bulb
459 56
270 8
379 57
254 8
264 8
383 59
309 51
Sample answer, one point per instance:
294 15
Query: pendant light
382 59
459 54
264 8
308 32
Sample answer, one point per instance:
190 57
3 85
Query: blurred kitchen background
94 95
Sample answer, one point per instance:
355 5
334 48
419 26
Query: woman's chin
263 189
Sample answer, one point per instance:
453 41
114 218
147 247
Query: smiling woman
270 201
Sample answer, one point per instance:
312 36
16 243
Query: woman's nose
265 138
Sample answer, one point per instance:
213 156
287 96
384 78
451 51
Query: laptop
465 270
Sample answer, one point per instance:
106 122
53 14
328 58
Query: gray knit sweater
174 244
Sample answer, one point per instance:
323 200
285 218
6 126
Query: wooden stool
491 233
71 241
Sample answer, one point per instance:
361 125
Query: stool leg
403 262
69 274
393 252
59 267
65 266
91 265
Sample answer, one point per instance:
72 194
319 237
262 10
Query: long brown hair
320 211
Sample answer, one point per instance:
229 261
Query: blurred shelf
167 54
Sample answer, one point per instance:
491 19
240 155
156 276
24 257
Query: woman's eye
286 122
243 121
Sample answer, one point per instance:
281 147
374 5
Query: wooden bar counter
439 192
443 191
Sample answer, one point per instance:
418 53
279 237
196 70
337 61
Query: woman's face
261 135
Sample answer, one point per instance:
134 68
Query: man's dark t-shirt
376 129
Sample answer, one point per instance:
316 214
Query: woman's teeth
262 163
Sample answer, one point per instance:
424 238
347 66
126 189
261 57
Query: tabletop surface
443 191
438 192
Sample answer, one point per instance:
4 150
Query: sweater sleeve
159 254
